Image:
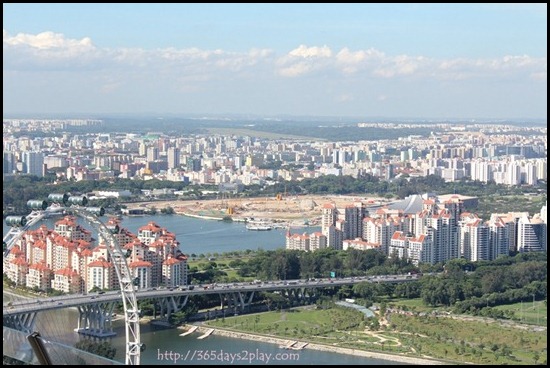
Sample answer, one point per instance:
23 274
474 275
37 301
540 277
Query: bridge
80 300
95 309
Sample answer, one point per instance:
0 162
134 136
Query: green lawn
506 203
527 312
470 340
296 323
257 133
223 258
416 305
221 262
460 339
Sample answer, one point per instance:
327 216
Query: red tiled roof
86 253
100 262
171 261
15 250
39 244
40 266
151 226
140 263
67 272
398 235
67 220
20 261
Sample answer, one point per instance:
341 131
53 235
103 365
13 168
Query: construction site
296 211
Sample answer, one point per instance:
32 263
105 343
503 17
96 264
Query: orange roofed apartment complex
65 258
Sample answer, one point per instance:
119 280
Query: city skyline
410 60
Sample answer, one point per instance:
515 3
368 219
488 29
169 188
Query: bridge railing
17 346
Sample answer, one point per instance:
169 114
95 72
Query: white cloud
311 52
46 40
192 66
505 67
295 70
352 61
303 60
402 65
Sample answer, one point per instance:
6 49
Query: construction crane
280 196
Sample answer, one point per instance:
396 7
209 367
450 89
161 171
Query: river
207 236
200 236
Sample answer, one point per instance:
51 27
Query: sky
418 61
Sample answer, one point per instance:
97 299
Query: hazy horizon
250 118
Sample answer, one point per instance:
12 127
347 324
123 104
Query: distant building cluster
480 152
426 229
66 260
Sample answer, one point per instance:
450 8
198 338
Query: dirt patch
295 210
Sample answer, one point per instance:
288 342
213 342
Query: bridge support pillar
171 304
20 322
96 320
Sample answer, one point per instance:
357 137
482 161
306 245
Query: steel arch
127 288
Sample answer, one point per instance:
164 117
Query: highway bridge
96 309
79 300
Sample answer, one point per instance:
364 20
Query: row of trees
459 283
283 264
18 191
503 281
468 287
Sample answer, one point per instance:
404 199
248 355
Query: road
75 300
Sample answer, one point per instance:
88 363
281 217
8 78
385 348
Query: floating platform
206 334
190 331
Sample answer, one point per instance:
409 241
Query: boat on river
259 225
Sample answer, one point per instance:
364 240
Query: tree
104 349
167 211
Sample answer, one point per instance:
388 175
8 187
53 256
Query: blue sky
387 60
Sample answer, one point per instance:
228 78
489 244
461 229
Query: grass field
416 305
222 263
258 133
459 339
298 322
503 204
470 340
528 312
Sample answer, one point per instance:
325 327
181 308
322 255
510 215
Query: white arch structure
127 288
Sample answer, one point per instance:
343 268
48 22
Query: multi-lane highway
74 300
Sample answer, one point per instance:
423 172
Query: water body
199 236
244 352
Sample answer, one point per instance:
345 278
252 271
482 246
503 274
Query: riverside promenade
321 347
